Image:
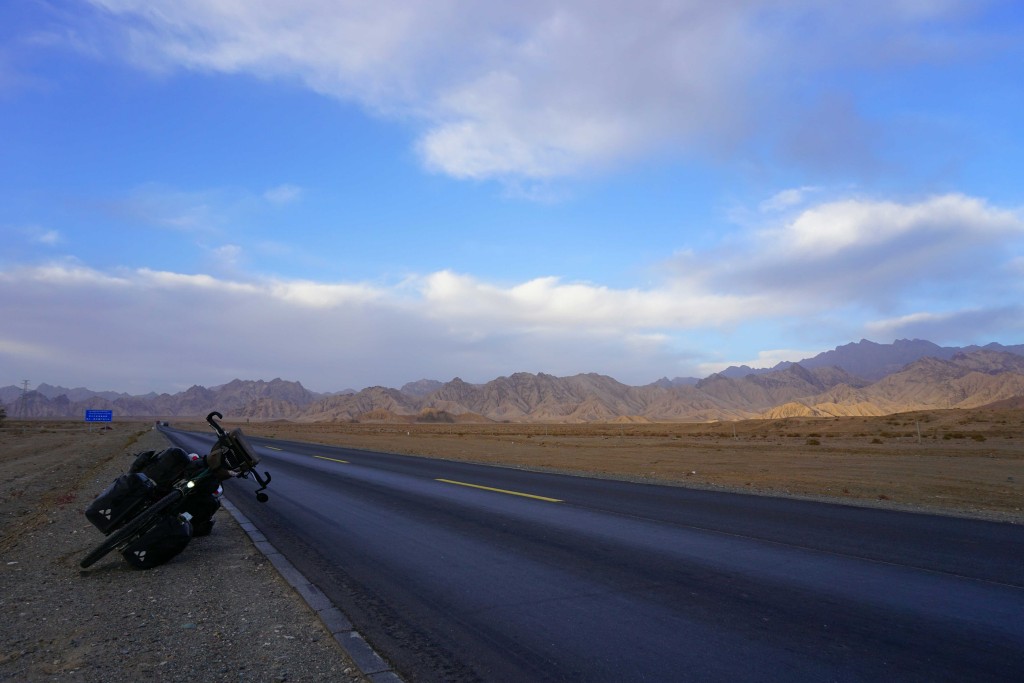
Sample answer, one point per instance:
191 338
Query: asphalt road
456 572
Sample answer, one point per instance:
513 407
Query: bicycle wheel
132 529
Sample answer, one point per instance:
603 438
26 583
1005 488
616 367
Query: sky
360 193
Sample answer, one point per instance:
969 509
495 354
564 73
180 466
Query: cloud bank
849 260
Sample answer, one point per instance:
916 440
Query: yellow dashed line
331 459
488 488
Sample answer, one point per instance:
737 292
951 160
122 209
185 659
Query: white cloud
63 274
207 214
320 295
866 252
154 204
47 237
227 255
764 359
966 326
549 303
894 325
854 224
156 279
15 351
786 199
150 329
283 194
544 88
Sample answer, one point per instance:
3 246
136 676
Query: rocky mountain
967 380
239 393
872 361
421 388
957 378
676 382
239 398
13 393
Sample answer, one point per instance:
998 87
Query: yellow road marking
331 459
488 488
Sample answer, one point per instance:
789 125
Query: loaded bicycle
152 512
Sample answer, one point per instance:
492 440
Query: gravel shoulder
217 612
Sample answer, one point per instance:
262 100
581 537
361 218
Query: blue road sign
99 415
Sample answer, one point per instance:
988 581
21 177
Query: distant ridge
871 361
863 378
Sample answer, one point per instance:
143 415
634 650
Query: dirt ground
217 612
966 463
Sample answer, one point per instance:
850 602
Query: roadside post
98 416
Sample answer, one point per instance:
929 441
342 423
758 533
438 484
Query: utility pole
24 399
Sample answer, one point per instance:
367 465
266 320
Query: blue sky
351 194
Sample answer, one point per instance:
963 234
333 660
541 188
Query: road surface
460 572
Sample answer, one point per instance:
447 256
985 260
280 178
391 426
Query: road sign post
98 416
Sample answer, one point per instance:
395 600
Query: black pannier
120 502
164 540
163 467
202 508
141 460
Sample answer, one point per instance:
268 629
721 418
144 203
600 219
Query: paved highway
459 572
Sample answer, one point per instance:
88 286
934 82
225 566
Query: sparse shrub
435 416
813 442
882 496
978 437
132 439
876 440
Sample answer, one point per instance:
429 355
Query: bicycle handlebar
241 455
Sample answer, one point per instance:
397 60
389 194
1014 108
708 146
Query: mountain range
862 378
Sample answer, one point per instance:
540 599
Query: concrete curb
371 664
